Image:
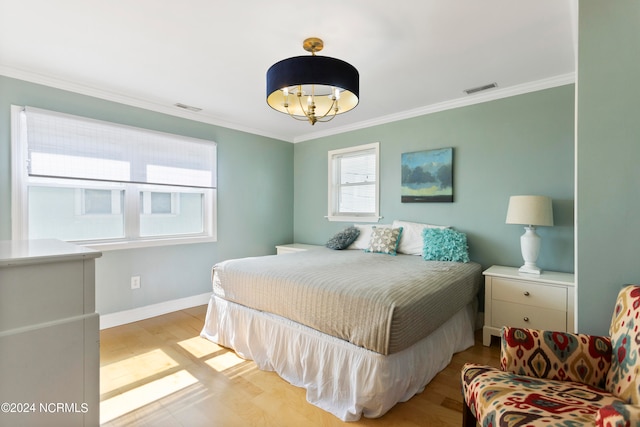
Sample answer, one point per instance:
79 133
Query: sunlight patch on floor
224 361
138 397
135 368
199 347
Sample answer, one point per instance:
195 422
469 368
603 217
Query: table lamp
530 211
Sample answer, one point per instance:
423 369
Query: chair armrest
618 415
556 355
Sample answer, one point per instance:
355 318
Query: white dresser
49 335
544 301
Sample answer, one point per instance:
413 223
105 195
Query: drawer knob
526 319
526 293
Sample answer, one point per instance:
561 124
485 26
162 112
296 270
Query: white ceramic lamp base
530 247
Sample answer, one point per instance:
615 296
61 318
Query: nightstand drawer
525 316
527 293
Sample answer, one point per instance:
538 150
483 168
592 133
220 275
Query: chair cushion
500 398
618 415
622 379
556 355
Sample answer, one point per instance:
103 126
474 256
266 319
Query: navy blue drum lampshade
312 88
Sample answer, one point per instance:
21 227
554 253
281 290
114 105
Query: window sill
354 218
135 244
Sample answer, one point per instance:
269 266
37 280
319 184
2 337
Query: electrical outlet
135 282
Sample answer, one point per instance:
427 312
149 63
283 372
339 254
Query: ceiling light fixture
313 88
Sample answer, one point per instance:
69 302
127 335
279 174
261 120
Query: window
158 203
353 184
99 202
107 185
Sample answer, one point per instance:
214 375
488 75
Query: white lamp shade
530 210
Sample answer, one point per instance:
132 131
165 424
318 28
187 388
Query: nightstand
295 247
511 298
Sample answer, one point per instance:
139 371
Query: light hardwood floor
159 372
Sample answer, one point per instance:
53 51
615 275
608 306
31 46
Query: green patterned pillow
444 244
384 240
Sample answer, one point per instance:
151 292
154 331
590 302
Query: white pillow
362 242
411 241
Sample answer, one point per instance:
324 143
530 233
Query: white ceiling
414 56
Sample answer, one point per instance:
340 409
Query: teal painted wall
518 145
255 199
498 147
608 152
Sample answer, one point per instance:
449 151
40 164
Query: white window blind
65 146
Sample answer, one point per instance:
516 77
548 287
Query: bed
359 331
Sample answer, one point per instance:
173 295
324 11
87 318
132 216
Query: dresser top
16 252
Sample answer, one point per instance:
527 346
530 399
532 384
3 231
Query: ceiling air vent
187 107
480 88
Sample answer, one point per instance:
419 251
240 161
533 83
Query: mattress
379 302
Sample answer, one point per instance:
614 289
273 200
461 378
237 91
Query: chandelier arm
335 111
328 120
295 117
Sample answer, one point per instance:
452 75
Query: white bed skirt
343 379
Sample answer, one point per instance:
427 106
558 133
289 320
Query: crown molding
147 104
479 98
157 106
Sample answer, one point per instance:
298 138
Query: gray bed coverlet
380 302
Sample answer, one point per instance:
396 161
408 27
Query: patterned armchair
560 379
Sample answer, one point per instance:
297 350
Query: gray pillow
384 240
344 238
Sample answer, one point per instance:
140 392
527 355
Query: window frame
334 184
21 181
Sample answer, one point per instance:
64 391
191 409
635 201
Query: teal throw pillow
444 244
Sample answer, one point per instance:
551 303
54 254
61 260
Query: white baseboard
128 316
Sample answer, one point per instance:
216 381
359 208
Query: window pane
353 183
75 214
357 199
355 169
161 203
98 202
170 214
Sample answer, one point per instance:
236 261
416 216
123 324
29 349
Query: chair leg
468 420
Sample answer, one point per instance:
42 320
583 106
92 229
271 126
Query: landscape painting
427 176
